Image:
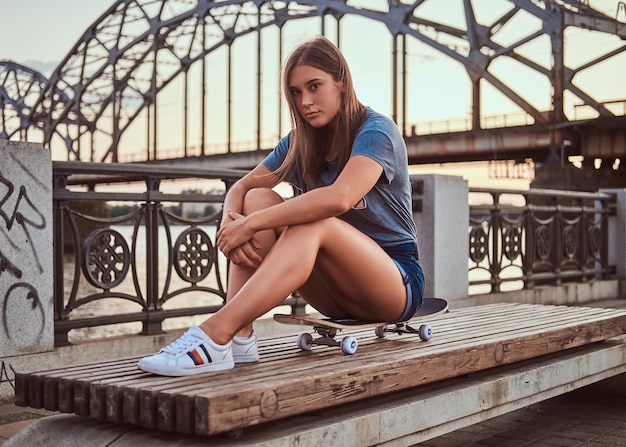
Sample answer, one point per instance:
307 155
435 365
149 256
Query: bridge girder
520 143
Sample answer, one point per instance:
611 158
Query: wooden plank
105 396
35 391
21 389
65 389
150 407
35 387
55 388
82 384
50 393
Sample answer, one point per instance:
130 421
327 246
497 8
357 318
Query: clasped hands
236 240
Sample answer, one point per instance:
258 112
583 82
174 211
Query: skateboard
327 328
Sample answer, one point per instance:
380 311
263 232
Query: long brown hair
308 145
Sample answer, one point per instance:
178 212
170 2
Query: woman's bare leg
364 280
255 199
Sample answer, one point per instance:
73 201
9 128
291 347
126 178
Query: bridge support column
441 214
617 238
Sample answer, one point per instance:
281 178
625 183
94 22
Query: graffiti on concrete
22 299
5 377
17 208
22 262
7 266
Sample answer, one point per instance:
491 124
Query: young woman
347 244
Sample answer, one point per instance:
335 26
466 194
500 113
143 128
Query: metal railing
521 239
451 125
140 262
151 265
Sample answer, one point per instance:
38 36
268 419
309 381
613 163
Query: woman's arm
358 176
356 179
259 177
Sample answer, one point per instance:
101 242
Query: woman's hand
236 240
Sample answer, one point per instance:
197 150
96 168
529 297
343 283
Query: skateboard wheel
425 332
305 341
349 345
380 331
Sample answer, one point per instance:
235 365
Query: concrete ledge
396 419
570 294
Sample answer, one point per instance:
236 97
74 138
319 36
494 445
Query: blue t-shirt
385 213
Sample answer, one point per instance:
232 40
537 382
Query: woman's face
316 94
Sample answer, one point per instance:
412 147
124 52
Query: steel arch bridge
142 56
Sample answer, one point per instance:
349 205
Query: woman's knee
260 198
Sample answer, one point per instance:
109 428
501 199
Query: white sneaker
246 349
193 353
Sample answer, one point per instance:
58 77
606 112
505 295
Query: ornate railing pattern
104 259
520 239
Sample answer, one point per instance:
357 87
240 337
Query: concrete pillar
617 238
26 277
442 233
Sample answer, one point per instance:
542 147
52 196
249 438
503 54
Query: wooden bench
533 346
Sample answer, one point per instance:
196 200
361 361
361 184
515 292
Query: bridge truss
119 82
20 88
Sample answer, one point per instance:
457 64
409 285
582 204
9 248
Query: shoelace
182 344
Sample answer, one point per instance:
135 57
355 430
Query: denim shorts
406 258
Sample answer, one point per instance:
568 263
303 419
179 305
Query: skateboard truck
348 344
425 331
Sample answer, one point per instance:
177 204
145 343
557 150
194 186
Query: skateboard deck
327 328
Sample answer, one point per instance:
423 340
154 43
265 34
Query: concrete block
617 236
442 233
26 278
